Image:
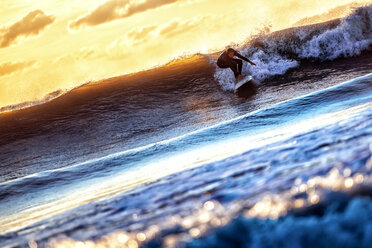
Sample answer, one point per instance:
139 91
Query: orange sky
47 45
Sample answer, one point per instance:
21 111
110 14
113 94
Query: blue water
309 135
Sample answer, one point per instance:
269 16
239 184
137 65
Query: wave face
132 111
333 135
276 53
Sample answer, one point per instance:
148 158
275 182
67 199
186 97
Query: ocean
171 157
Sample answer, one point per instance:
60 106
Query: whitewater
170 157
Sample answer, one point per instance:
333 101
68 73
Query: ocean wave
274 53
308 181
338 225
47 98
121 171
278 52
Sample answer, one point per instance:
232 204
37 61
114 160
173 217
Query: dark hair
229 50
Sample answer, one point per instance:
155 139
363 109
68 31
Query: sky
51 45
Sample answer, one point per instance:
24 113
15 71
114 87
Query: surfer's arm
243 58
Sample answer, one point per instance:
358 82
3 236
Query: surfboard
246 87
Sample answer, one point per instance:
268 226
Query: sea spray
276 53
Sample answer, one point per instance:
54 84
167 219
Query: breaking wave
275 53
280 51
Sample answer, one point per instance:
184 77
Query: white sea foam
350 38
276 53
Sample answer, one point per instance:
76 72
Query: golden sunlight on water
60 45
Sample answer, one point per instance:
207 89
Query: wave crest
280 51
47 98
350 38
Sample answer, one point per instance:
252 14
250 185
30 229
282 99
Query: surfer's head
230 52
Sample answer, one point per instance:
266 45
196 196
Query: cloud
171 29
84 53
140 34
116 9
31 24
11 67
177 27
134 37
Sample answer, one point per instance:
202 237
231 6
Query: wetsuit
236 65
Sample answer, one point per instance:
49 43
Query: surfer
226 60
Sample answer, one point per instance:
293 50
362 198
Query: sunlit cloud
84 53
177 27
10 67
31 24
116 9
146 36
140 36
